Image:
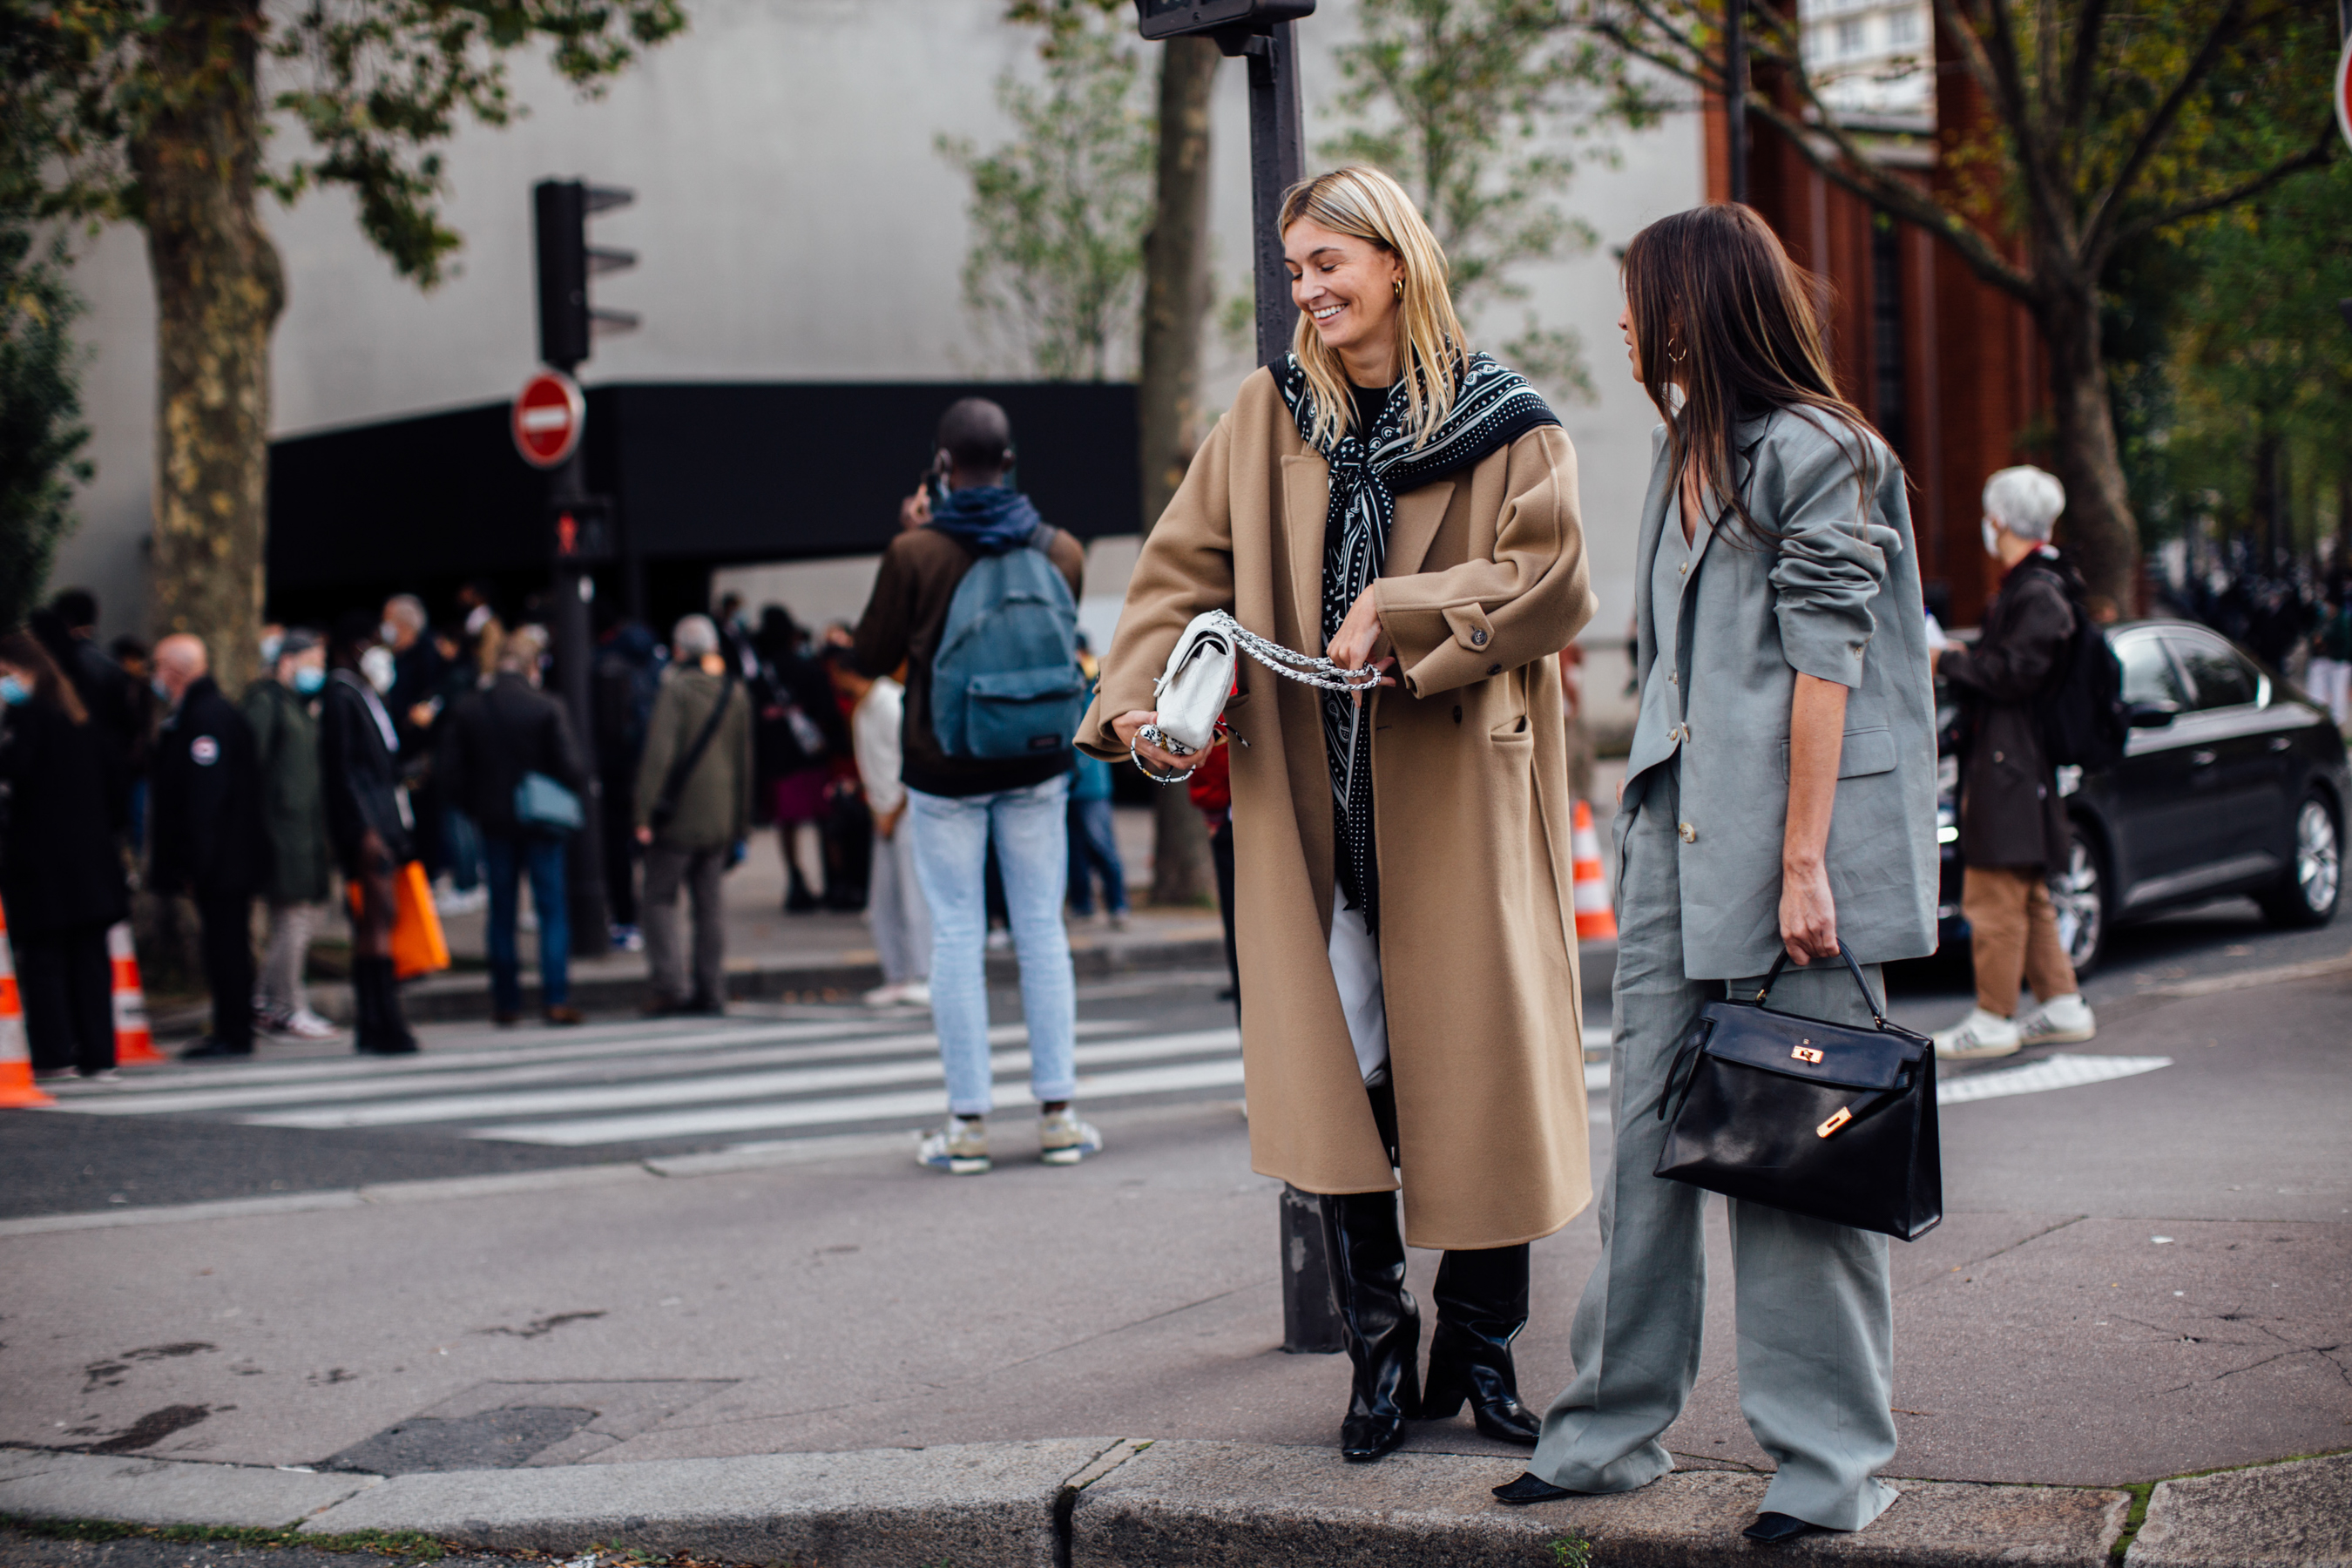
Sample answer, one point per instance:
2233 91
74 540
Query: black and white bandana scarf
1493 407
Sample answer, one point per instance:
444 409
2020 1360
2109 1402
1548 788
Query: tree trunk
1175 303
2098 529
218 291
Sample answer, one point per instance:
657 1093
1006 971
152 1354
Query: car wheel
2078 896
2312 885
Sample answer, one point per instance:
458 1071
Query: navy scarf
1493 406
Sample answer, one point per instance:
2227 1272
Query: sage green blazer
1837 597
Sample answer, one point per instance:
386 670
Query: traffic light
567 322
1174 18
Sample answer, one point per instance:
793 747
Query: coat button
1690 833
1494 670
1478 638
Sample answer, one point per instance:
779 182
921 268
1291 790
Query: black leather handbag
1820 1118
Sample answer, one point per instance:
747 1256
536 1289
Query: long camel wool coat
1485 583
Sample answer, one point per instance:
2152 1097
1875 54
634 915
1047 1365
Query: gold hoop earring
1399 287
1675 356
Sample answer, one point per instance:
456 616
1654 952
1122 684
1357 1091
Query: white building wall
793 221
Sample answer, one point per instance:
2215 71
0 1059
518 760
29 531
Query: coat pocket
1863 752
1515 731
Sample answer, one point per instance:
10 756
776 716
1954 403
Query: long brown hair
1722 314
23 651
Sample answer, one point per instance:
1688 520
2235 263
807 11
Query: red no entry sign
2344 89
549 412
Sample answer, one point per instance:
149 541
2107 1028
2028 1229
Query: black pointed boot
1378 1319
1481 1305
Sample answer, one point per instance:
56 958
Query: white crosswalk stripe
587 1091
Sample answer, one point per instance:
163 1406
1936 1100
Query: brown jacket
2010 811
1486 581
902 622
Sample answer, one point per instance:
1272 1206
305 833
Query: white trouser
1356 966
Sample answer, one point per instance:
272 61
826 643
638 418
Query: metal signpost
1266 34
550 415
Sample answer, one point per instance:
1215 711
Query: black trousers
228 963
67 984
1221 852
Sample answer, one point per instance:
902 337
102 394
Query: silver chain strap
1302 667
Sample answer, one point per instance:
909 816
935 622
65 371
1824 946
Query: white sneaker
1979 1036
2062 1021
304 1025
906 993
916 993
450 901
1064 1140
960 1148
883 997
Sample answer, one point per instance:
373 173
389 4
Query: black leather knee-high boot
1481 1305
1378 1320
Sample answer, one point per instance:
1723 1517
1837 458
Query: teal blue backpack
1006 682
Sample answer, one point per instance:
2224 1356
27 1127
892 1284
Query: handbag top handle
1853 968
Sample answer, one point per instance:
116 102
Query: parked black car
2233 782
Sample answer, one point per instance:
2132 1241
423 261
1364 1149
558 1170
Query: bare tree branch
2082 70
1851 170
2320 151
2107 202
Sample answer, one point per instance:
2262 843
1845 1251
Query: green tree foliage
41 433
1053 275
2098 125
1483 109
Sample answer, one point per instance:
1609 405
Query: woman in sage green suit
1779 795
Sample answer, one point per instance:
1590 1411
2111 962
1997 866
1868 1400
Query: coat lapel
1305 496
1646 553
1419 515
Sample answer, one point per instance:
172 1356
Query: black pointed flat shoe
1780 1529
1531 1488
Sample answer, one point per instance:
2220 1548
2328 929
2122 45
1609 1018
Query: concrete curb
2295 1515
37 1484
1076 1503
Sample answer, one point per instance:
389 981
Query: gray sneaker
960 1148
1064 1140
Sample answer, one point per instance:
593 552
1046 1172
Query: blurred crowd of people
2298 623
400 743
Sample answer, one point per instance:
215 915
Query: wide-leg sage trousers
1816 1338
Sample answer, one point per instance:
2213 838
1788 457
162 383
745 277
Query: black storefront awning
702 475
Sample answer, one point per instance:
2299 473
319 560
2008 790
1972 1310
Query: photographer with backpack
2015 686
979 603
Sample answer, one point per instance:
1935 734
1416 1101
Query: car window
2148 676
2218 677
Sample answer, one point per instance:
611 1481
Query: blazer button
1690 833
1478 638
1670 678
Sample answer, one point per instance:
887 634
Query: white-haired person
1385 496
694 811
2012 820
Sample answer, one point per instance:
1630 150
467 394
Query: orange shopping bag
418 946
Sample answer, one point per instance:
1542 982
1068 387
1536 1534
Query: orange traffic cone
134 1043
17 1091
1595 920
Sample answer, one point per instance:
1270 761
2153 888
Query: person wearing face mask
283 708
368 823
1385 497
2012 819
209 842
61 879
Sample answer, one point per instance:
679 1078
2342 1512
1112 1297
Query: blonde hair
1367 203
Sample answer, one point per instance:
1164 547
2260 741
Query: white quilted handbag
1192 691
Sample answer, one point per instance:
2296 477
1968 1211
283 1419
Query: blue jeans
507 860
1094 845
952 836
461 849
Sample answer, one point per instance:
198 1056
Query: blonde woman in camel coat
1407 945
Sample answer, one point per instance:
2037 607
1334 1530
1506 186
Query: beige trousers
2014 936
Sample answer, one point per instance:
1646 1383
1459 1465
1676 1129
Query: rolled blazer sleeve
1456 626
1831 563
1186 568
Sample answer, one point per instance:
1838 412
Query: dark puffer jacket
2011 813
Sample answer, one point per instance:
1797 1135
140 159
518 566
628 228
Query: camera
1174 18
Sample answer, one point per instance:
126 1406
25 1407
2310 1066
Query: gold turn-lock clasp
1834 1122
1807 1054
